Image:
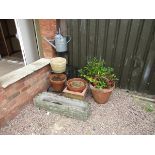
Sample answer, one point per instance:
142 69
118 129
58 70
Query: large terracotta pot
101 96
76 84
58 81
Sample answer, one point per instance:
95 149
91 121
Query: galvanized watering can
59 42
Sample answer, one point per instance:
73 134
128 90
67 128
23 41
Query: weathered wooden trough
62 105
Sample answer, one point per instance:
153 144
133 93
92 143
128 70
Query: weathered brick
18 101
20 86
1 89
33 90
31 80
25 88
43 71
23 98
2 121
47 29
10 114
42 76
13 96
10 90
22 92
2 97
6 107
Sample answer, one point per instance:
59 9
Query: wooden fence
126 45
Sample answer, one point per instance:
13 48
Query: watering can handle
69 39
50 42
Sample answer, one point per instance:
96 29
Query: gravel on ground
120 115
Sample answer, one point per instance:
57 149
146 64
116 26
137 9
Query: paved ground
11 63
121 115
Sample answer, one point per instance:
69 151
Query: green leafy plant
149 108
98 74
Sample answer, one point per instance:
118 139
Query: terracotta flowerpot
76 84
101 96
57 81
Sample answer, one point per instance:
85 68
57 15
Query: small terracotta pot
101 96
58 81
72 82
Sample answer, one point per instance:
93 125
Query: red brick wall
22 92
47 29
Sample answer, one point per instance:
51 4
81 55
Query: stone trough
73 108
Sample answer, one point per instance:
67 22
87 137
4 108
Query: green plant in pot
102 79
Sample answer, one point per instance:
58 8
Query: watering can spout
51 42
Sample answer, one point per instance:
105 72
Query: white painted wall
27 38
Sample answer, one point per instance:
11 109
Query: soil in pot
76 84
58 82
57 79
101 96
